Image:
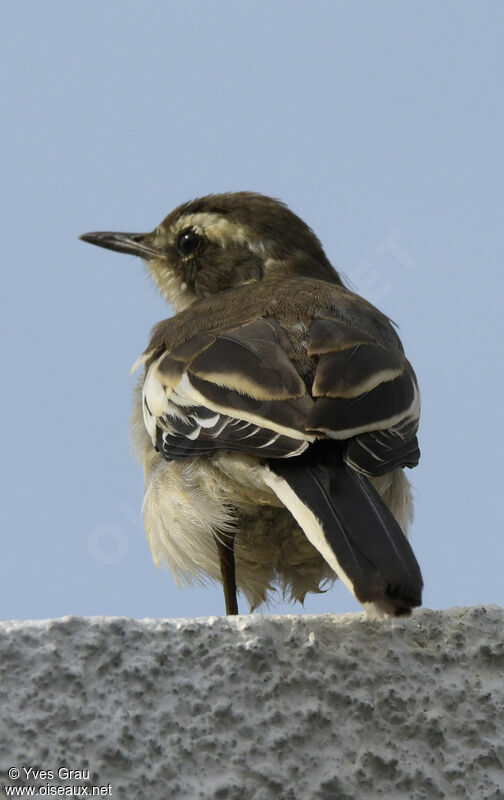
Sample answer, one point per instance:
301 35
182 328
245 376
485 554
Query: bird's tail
345 518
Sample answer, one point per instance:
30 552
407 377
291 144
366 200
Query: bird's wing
365 391
235 390
240 388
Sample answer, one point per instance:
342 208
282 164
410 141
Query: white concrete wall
256 708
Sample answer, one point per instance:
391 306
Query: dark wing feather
235 390
379 452
252 360
176 438
365 391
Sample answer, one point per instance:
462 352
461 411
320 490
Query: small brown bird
276 412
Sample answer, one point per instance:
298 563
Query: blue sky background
380 123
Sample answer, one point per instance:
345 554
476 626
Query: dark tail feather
354 525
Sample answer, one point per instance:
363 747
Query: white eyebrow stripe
214 226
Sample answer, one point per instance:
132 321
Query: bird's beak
137 244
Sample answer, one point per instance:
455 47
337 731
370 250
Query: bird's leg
227 564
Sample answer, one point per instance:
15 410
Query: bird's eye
189 243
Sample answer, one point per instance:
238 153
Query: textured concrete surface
326 707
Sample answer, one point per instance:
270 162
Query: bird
275 414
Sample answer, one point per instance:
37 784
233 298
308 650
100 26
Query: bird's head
223 241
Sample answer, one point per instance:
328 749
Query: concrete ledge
311 707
